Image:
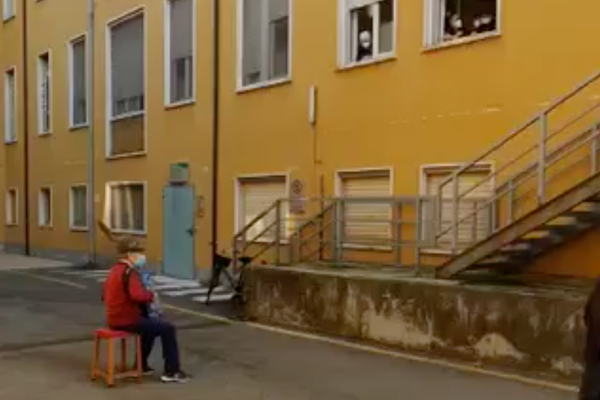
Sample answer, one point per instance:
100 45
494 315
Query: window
77 83
127 207
10 106
12 207
366 222
78 207
451 20
264 41
44 94
8 9
367 30
180 54
255 196
475 188
126 86
45 207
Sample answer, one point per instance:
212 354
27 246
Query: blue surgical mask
140 261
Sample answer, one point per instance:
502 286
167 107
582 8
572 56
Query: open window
78 207
8 9
453 20
367 30
44 94
180 50
77 83
264 41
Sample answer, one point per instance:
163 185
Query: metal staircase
546 189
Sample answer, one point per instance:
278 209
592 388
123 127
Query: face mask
140 261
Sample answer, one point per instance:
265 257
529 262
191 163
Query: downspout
215 130
89 76
26 129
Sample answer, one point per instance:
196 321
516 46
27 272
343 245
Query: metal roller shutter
366 222
475 227
257 195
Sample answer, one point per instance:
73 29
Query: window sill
8 19
134 114
180 104
437 252
78 127
373 61
128 232
136 154
44 133
462 41
45 227
79 229
264 85
11 224
365 247
10 142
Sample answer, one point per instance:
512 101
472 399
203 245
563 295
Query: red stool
108 373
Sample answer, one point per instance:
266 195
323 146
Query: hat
129 245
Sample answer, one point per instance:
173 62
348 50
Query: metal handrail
545 159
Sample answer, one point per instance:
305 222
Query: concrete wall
540 331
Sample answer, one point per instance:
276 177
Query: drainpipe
25 128
215 130
89 76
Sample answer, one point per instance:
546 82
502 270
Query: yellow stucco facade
418 107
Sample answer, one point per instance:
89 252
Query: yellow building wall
12 155
422 107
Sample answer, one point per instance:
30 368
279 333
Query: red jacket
123 309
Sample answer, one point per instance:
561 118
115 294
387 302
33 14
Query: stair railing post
278 232
455 214
542 158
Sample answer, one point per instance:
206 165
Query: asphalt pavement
47 319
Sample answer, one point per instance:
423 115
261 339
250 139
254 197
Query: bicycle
221 266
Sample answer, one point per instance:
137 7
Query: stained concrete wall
538 330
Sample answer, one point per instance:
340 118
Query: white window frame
40 111
240 51
238 213
72 208
167 55
9 10
75 40
338 189
135 12
8 209
429 36
11 70
449 168
50 208
108 205
345 38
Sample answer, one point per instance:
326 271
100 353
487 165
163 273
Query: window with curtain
127 208
181 50
127 67
44 94
78 208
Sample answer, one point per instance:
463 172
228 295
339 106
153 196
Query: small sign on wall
296 197
200 206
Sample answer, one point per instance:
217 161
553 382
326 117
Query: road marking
197 314
185 292
48 279
343 343
214 297
172 286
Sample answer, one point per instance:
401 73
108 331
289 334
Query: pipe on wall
215 130
26 208
90 118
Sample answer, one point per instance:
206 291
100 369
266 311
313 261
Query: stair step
560 230
584 216
538 243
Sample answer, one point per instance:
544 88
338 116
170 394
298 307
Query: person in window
126 305
590 384
365 46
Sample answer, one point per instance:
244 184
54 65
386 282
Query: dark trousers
149 329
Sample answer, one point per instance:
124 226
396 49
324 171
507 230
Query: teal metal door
178 232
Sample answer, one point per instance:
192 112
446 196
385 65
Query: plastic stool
109 374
